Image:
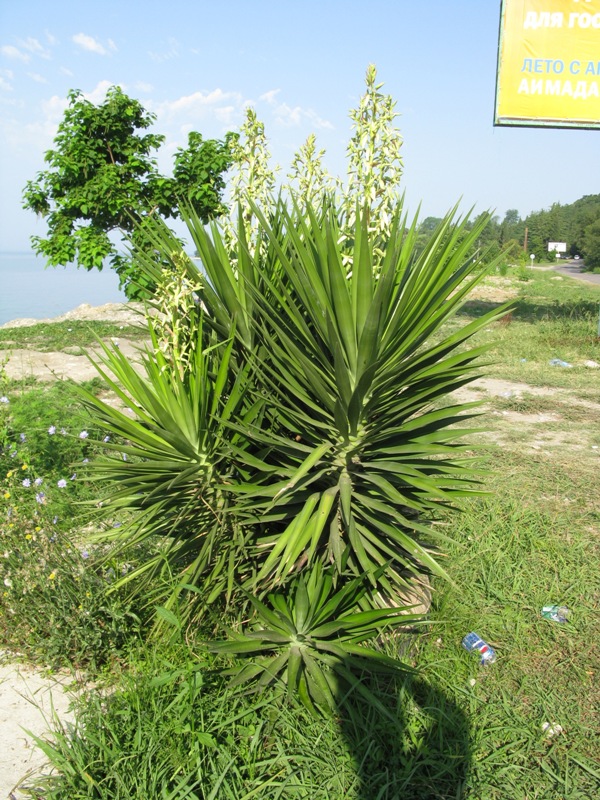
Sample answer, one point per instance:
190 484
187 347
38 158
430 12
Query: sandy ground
28 701
23 363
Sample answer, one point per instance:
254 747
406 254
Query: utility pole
525 242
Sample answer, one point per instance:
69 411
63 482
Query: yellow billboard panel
549 63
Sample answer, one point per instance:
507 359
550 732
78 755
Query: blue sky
301 65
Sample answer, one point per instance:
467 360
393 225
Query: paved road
573 270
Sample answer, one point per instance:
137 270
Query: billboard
549 64
557 247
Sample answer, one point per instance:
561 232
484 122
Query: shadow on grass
530 310
423 754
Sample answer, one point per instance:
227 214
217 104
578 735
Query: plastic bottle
473 642
556 613
558 362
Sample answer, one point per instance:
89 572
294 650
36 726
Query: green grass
169 728
57 606
69 336
535 541
550 319
172 728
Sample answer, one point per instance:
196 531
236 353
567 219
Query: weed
55 607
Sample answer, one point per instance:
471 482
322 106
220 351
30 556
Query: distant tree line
577 224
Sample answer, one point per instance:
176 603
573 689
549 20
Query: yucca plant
314 422
357 453
311 640
167 458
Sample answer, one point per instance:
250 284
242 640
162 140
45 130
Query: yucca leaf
294 669
297 530
362 279
317 684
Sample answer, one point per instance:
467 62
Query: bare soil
29 700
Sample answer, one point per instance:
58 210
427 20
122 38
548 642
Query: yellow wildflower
24 466
52 576
6 495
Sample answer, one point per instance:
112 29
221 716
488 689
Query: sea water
30 289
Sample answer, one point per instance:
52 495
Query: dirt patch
28 701
494 290
46 366
482 388
529 431
529 419
43 366
495 387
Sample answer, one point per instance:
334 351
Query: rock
129 313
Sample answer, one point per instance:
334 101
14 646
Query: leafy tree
103 178
581 215
591 245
